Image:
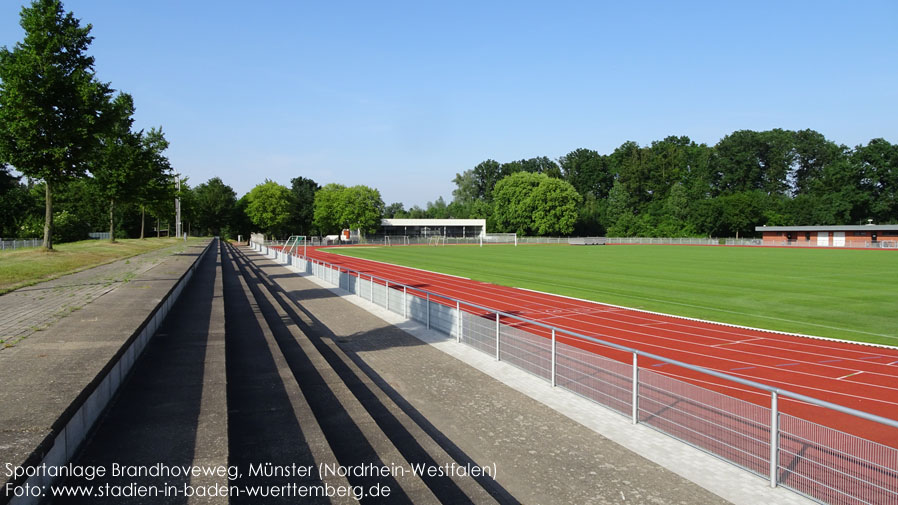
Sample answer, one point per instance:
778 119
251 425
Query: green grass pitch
845 294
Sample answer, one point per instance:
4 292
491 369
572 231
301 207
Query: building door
839 239
823 238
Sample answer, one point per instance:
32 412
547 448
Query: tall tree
362 209
878 162
328 208
338 207
532 203
269 207
155 188
588 172
51 104
486 175
303 212
118 159
214 202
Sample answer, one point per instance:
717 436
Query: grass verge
24 267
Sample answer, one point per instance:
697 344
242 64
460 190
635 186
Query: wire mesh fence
811 459
9 244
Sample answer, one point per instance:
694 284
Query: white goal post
294 241
499 238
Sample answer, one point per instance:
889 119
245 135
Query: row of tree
676 187
70 137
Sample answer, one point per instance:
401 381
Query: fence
816 461
6 243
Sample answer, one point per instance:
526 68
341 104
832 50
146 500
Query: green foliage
395 209
51 104
214 204
268 207
531 203
118 159
587 171
338 207
303 212
675 187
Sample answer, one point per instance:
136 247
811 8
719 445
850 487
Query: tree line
71 138
676 187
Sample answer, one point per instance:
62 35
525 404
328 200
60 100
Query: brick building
871 235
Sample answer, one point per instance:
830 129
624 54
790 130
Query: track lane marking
738 342
849 375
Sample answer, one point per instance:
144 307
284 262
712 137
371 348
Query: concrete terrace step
356 437
172 409
270 419
56 383
407 438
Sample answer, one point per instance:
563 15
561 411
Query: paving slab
30 310
47 377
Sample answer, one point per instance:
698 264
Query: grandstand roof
433 222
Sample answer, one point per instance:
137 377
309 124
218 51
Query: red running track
856 376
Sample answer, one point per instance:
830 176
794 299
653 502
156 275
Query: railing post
405 302
554 341
372 289
774 438
427 302
458 324
497 337
635 400
388 295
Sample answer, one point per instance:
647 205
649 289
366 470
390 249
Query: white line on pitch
850 375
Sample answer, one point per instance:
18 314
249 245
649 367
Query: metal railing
20 243
819 462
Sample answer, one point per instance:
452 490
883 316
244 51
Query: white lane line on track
738 342
849 375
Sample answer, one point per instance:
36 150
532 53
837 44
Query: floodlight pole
178 206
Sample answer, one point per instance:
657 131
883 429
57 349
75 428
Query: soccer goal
436 240
294 242
499 238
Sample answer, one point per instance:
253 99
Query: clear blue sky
403 95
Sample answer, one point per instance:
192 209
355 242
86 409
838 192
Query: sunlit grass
24 267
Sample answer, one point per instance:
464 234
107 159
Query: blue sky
401 96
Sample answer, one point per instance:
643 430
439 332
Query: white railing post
371 291
405 302
388 295
458 324
774 438
635 400
554 361
427 302
497 337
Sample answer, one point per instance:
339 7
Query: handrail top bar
746 382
